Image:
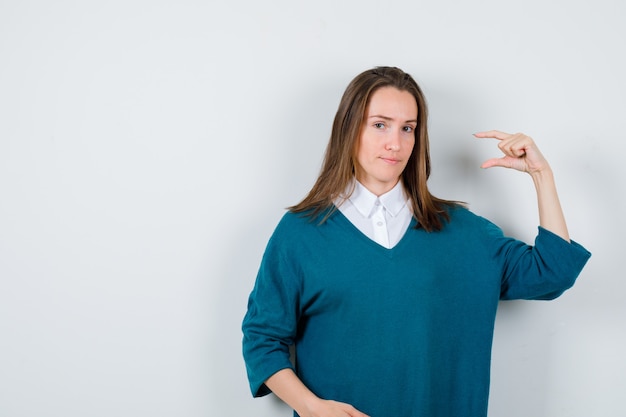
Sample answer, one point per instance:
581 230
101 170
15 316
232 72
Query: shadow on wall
238 267
521 359
296 142
456 155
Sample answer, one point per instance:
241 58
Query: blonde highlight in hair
338 168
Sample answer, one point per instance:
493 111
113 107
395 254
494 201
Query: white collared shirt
383 219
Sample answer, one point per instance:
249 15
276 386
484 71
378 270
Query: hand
520 152
329 408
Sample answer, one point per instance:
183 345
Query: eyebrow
380 116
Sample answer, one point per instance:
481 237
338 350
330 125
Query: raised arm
521 153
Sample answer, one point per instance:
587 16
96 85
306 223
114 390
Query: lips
391 161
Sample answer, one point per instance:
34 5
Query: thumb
505 162
494 162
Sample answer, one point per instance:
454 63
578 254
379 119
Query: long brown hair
338 171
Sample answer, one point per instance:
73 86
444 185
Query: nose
393 143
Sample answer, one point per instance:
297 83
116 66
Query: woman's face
387 139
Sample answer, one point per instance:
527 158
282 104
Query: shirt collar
365 201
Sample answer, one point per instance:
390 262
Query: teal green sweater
401 332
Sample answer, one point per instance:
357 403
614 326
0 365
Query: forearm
550 213
289 388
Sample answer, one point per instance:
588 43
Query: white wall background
148 148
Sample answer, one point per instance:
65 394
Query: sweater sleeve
269 326
543 271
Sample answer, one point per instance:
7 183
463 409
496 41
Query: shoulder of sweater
462 214
291 219
463 217
297 223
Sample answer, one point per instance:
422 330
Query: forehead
391 102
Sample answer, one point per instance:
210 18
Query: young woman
388 293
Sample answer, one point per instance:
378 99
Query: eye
408 129
379 125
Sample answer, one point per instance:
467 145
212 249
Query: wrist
542 175
310 406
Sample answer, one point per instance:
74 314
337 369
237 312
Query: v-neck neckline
377 246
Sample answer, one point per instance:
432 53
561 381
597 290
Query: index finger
495 134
